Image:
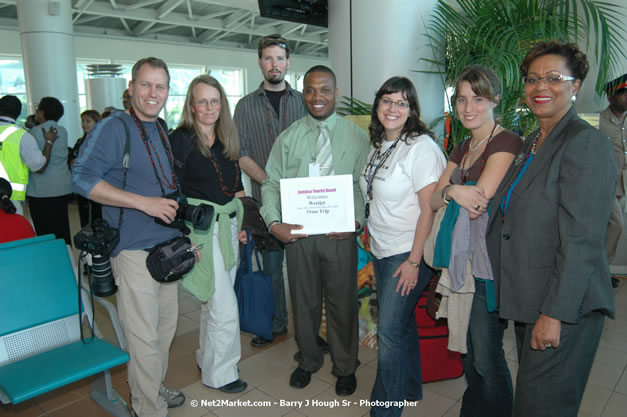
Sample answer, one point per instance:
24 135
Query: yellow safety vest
11 165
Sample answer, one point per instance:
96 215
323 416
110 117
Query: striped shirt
258 124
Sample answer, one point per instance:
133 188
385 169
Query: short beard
275 80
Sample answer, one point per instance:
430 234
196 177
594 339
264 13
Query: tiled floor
267 372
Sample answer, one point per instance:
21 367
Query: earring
573 99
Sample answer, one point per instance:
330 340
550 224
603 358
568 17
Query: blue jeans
399 375
489 392
273 265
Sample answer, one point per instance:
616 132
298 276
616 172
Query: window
296 80
232 81
12 81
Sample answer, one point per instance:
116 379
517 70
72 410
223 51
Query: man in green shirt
319 264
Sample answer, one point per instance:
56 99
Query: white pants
220 348
148 312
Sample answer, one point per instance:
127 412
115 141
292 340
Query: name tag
314 169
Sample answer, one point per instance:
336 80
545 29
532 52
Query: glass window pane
13 81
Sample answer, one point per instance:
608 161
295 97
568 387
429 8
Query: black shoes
346 385
259 341
300 378
234 387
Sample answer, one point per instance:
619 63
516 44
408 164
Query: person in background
546 237
397 183
612 123
205 149
260 117
49 191
19 151
126 99
89 118
473 173
13 226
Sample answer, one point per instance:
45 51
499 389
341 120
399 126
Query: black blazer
548 253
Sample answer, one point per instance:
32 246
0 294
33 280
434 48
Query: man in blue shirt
148 310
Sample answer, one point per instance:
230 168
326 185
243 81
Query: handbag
169 261
253 290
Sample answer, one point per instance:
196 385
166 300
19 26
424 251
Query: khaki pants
148 313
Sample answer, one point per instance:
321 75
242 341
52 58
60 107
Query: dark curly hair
413 125
51 108
576 61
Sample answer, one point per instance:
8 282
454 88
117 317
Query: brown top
504 141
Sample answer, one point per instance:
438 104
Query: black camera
199 216
98 239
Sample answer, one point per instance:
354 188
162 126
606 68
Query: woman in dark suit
546 238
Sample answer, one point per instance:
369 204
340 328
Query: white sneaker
172 398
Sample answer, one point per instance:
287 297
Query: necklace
478 145
534 144
225 190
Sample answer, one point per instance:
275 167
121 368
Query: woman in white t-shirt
399 178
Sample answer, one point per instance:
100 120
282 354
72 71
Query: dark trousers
489 392
318 266
50 215
84 205
551 382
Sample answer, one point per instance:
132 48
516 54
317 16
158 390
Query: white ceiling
232 24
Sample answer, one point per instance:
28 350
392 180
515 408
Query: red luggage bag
436 360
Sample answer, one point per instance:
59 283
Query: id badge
314 169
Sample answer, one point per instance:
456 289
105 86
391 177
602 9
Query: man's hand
50 135
283 232
159 207
546 333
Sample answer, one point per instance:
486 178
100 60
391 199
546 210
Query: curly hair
576 60
51 108
413 125
225 129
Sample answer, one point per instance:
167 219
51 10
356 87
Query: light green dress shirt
294 150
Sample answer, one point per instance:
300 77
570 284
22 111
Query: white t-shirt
394 208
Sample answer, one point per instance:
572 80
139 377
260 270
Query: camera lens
199 216
102 284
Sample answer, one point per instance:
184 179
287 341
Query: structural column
371 41
49 60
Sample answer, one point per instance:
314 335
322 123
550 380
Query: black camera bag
169 261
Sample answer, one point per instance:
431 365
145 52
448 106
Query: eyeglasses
401 104
214 102
551 79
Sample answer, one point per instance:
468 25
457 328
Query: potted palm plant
498 33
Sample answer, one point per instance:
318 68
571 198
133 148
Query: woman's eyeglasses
401 104
214 102
551 79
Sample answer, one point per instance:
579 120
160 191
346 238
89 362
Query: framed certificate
320 204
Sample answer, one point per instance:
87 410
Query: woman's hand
242 237
408 278
546 333
470 197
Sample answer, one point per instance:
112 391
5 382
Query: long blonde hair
225 129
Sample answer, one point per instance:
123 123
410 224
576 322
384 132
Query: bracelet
272 224
50 142
412 263
444 194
